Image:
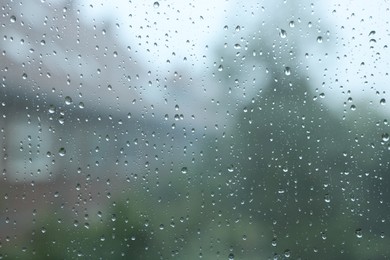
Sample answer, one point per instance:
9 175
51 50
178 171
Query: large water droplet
68 100
327 198
359 233
62 151
283 33
287 71
61 120
12 19
52 109
156 5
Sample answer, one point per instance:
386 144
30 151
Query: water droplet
287 71
61 120
68 100
156 5
231 256
371 33
62 151
12 19
283 33
327 198
52 109
359 233
287 253
385 137
24 76
43 230
237 46
220 68
353 107
292 24
319 39
231 168
184 170
238 28
382 101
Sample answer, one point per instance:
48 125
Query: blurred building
79 114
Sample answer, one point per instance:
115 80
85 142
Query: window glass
194 129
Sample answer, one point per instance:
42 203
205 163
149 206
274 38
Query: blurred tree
301 166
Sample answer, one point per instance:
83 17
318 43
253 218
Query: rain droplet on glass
283 33
359 233
68 100
62 151
287 71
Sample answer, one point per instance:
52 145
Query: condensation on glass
205 129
